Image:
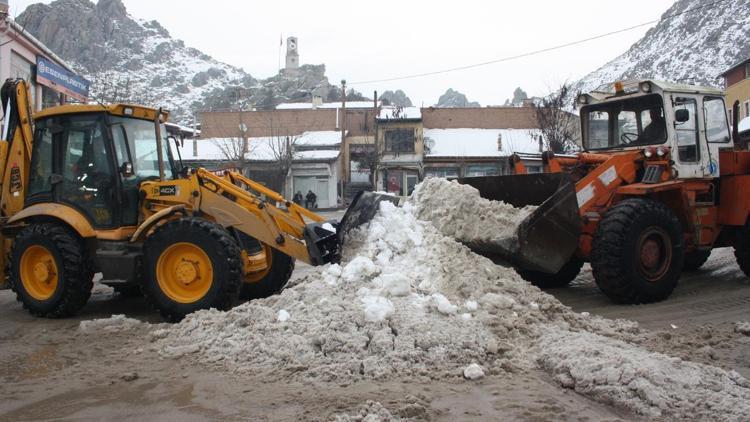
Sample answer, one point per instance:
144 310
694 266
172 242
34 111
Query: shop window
400 140
22 68
481 170
444 172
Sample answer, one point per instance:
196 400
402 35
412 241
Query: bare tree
558 127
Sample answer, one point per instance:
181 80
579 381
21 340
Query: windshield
629 122
141 147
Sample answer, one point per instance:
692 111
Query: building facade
737 84
51 81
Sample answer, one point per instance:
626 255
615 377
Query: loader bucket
363 208
549 236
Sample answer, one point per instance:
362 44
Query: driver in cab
656 130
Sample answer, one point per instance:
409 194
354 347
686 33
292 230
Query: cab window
41 160
717 127
625 123
687 131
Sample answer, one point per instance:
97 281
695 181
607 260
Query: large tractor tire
270 281
49 271
695 260
562 278
742 250
638 252
191 264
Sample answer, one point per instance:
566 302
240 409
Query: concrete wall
479 118
226 124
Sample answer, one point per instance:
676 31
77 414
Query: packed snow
460 213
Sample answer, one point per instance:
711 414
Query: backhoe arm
15 146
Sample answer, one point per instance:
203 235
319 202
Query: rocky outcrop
454 99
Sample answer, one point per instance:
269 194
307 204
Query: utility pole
343 130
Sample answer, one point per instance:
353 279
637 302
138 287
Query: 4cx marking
169 190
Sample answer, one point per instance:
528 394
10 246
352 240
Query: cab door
692 157
88 175
716 131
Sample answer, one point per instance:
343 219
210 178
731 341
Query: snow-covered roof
309 105
319 138
397 113
479 142
260 148
744 124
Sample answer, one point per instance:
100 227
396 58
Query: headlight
583 99
661 151
645 87
648 152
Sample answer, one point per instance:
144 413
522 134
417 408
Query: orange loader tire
49 271
275 279
638 252
562 278
742 250
695 260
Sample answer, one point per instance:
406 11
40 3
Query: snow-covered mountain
130 59
694 42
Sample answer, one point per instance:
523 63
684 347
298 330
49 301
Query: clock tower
292 56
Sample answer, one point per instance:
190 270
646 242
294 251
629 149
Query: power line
536 52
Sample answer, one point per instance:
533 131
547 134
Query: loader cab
687 123
93 159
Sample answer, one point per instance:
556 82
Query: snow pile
412 303
459 212
408 301
648 383
113 324
371 411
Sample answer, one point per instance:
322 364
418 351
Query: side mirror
681 116
126 169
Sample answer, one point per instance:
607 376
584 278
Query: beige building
737 83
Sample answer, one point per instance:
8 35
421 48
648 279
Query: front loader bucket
549 236
363 208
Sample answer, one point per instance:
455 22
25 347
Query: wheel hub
187 272
654 253
38 271
184 272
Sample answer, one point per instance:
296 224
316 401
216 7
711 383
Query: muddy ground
51 370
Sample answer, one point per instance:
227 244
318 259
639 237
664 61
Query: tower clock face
292 44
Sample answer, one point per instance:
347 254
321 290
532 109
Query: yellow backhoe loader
96 188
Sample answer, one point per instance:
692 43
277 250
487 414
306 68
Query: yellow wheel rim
254 277
38 271
184 272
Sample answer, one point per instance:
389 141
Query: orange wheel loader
661 181
97 188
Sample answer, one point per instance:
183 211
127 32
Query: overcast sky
362 41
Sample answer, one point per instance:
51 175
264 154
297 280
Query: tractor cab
686 124
93 159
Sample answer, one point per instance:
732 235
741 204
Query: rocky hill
455 99
129 59
694 42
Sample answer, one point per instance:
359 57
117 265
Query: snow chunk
471 305
377 308
443 305
282 316
359 269
329 227
393 284
473 372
